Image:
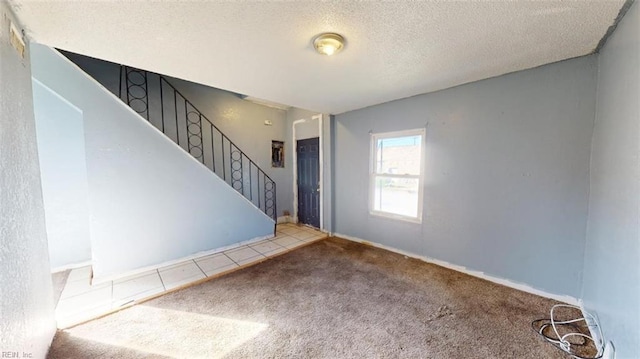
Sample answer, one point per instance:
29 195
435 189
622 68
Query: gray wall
242 121
63 170
612 255
26 296
327 176
306 129
150 201
507 171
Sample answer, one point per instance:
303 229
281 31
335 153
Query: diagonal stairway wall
157 99
243 121
149 201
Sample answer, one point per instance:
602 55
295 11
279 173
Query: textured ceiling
263 49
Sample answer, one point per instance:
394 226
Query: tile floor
81 301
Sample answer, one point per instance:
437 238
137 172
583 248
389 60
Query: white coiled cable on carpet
562 342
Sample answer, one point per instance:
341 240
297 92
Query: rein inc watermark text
16 355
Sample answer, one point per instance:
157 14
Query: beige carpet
332 299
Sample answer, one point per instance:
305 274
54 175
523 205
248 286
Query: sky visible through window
399 141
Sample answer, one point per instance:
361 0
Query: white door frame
294 142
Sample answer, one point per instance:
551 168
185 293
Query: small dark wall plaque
277 154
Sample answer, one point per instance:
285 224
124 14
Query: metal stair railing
159 102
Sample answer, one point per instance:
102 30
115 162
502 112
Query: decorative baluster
213 150
161 104
136 87
269 195
194 132
236 168
137 91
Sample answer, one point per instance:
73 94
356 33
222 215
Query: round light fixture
328 43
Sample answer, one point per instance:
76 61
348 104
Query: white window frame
373 173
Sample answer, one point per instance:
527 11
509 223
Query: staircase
155 99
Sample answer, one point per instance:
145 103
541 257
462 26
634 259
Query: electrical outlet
609 351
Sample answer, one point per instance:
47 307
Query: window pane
399 155
396 195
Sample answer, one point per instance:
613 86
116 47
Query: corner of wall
596 58
611 273
26 299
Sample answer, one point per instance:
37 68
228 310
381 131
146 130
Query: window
396 175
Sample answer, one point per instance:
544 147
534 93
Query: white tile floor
81 301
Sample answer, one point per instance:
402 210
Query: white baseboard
71 266
287 219
507 283
98 280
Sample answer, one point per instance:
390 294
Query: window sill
398 217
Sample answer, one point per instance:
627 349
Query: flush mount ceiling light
328 43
